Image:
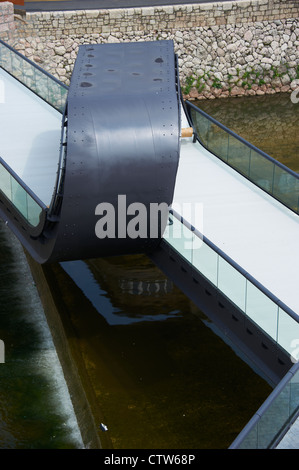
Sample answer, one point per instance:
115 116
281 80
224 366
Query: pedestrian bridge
230 234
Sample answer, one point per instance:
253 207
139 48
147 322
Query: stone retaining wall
7 24
158 19
230 48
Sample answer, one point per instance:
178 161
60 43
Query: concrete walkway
33 151
250 226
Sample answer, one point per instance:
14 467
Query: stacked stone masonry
228 48
7 24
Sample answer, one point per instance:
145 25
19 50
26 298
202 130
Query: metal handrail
36 66
34 230
245 142
60 162
236 266
263 409
276 164
60 168
23 185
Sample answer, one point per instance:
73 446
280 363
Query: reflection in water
83 277
161 376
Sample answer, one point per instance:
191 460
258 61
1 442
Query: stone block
147 11
3 27
227 6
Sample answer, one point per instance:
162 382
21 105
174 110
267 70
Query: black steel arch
119 146
122 144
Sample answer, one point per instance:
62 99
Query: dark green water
35 409
270 122
161 376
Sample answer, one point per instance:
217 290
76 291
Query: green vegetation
189 83
258 75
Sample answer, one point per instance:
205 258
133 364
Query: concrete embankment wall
224 48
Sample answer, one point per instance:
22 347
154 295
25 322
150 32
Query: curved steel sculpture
119 154
122 146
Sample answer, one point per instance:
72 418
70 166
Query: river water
35 408
161 373
270 122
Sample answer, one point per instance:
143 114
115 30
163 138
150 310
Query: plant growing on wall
189 82
258 75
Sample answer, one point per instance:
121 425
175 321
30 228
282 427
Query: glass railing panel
286 188
294 393
239 155
251 441
261 309
12 63
42 85
39 81
288 333
179 237
29 77
267 427
279 415
274 419
19 198
16 66
202 126
261 171
270 424
205 260
33 212
57 95
25 204
218 142
6 57
232 283
211 136
5 182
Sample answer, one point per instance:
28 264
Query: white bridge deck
253 229
30 136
